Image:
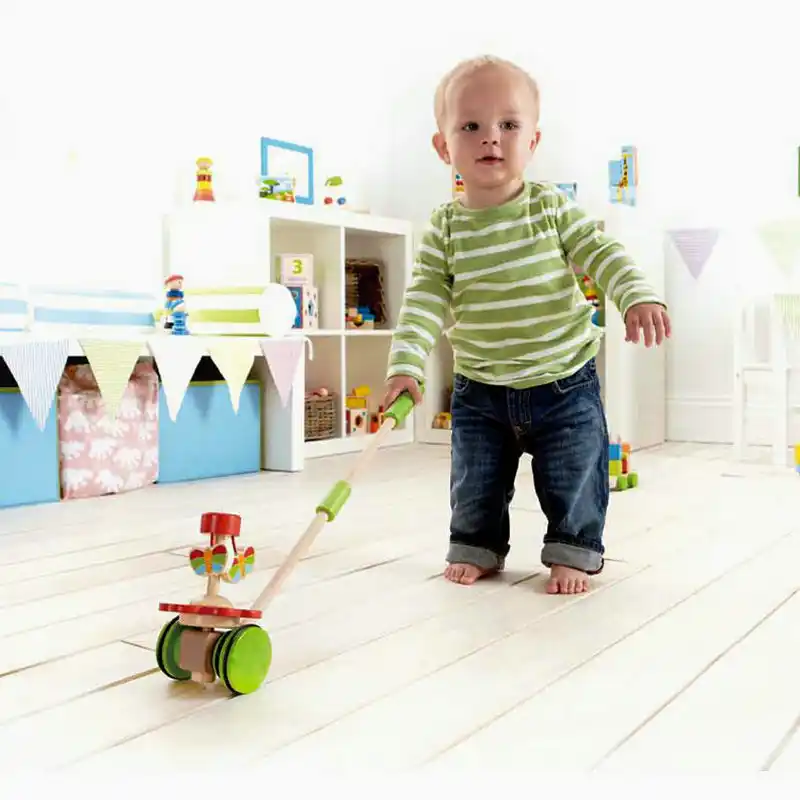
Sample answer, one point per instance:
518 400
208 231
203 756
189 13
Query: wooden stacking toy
211 639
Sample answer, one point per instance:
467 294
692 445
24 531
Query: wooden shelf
247 238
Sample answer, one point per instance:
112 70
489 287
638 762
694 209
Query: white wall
107 109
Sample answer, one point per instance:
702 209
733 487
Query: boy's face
489 131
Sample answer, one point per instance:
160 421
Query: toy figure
175 307
204 190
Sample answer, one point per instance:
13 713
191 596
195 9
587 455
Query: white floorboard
682 658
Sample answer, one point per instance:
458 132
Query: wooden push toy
209 638
619 459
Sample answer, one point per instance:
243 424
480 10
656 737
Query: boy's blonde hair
470 65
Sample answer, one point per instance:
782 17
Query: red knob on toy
216 524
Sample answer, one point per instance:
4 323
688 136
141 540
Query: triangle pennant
695 245
788 308
282 357
37 368
782 239
112 362
234 359
177 358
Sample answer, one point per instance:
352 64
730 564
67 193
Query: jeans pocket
460 383
585 377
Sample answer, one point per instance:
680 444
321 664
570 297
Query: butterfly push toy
210 638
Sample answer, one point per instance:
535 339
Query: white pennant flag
177 358
37 367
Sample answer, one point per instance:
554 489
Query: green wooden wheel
168 651
242 658
622 483
633 479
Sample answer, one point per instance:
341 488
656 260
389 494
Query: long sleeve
425 304
603 258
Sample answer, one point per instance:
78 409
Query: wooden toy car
209 638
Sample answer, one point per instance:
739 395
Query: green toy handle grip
401 407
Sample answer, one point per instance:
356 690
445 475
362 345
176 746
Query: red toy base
209 611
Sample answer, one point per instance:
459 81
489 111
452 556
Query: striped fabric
13 308
224 310
37 368
520 318
78 311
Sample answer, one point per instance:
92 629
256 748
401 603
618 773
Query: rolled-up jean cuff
477 556
568 555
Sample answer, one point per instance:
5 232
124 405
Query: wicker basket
320 417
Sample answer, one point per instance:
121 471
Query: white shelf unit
632 377
215 244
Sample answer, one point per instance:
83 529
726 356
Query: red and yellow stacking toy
204 190
209 638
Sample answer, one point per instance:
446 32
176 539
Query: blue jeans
562 426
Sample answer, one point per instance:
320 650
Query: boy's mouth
490 160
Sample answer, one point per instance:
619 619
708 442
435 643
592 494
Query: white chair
783 320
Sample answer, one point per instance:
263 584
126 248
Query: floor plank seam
739 565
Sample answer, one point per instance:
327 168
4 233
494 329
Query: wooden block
296 269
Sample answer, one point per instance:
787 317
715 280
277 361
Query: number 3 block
296 269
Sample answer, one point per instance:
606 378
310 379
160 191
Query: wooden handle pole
303 544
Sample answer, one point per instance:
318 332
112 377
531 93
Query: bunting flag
37 367
234 359
782 239
282 357
694 245
788 308
177 358
112 362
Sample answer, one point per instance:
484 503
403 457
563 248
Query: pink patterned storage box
102 456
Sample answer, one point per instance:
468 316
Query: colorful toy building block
204 189
619 472
191 645
295 269
797 458
306 303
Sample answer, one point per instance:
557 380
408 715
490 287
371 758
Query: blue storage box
28 457
209 439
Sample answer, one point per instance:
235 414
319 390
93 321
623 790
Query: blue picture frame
267 143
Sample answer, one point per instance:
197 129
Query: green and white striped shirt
504 273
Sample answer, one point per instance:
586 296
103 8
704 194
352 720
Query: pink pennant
695 246
282 357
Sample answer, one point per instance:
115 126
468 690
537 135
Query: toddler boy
523 341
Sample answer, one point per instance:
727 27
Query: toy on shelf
175 307
296 272
329 199
619 461
458 184
358 417
623 177
364 297
590 293
359 319
210 638
443 421
274 187
204 190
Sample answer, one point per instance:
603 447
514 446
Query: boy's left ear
535 141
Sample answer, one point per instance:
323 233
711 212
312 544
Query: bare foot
465 573
565 580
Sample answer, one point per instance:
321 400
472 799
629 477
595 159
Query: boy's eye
470 126
509 125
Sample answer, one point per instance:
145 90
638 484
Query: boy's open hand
653 320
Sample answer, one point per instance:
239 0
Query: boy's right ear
440 145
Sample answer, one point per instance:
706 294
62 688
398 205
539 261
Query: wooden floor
684 657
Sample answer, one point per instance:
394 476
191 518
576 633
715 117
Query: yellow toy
204 190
